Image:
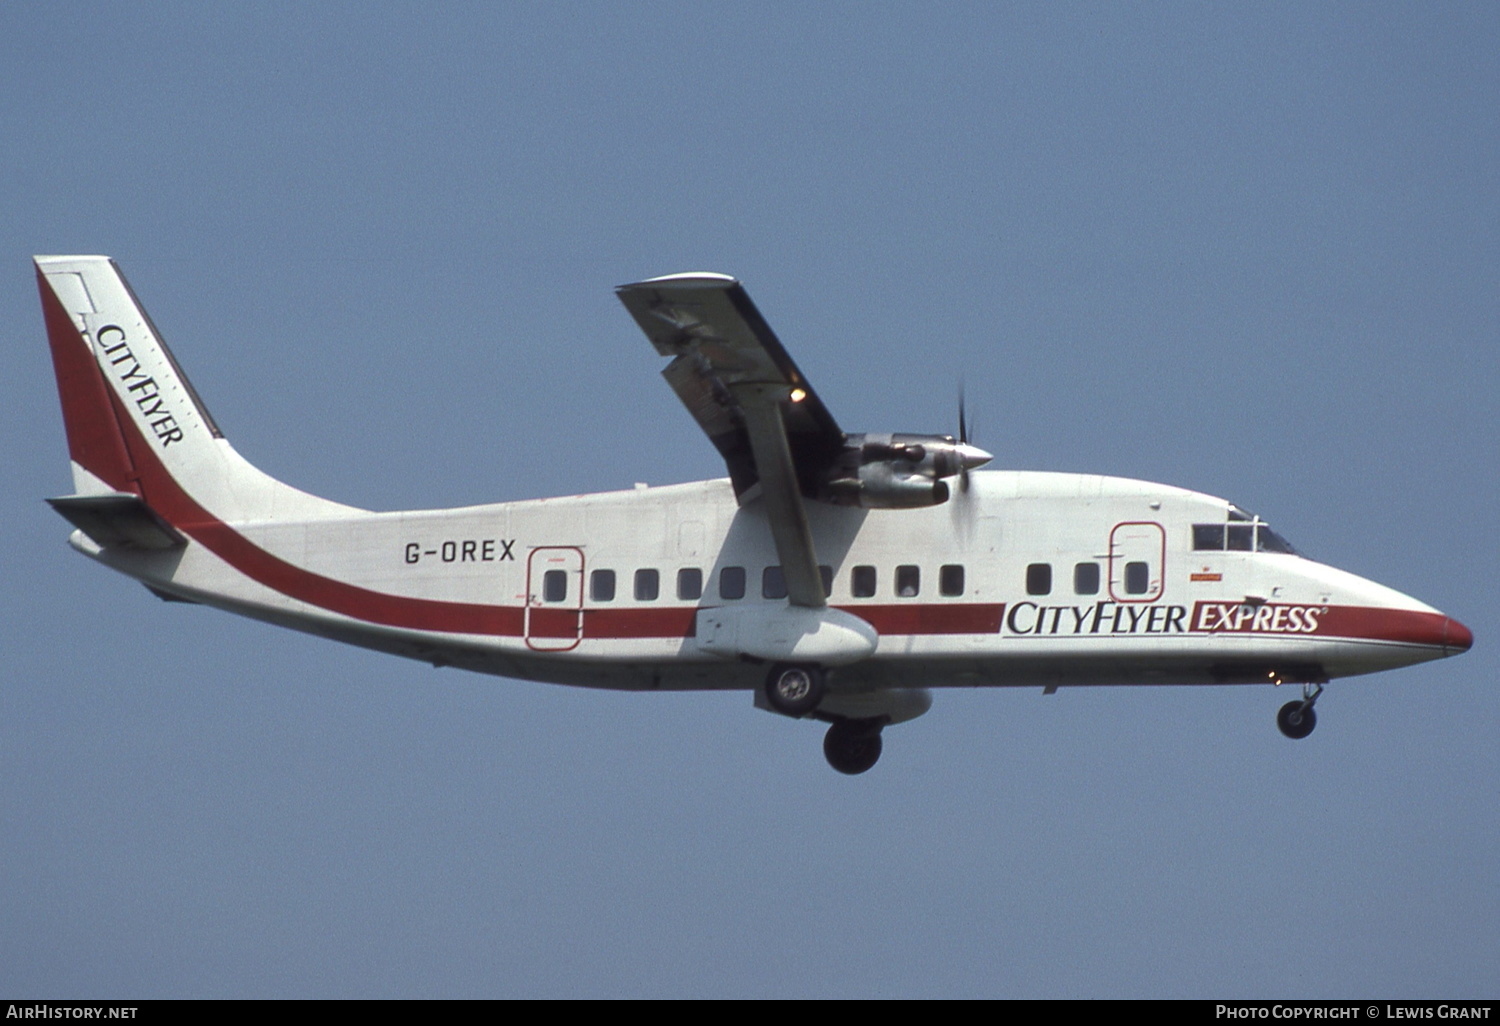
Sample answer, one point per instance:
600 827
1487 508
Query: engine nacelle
932 455
898 471
887 485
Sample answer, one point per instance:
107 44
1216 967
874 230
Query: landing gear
853 746
856 718
794 690
1297 719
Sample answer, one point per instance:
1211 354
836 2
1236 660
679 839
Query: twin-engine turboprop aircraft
836 576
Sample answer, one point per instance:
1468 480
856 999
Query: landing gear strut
794 690
853 746
1297 719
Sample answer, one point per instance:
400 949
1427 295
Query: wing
721 345
742 388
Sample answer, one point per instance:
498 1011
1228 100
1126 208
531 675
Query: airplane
839 577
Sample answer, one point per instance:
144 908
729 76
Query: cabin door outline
1134 542
554 624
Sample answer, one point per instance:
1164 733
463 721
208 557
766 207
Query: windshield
1267 540
1243 532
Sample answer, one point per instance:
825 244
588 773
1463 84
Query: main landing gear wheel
794 690
851 746
1297 719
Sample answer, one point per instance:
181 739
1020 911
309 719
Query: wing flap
717 413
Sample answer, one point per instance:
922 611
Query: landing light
798 394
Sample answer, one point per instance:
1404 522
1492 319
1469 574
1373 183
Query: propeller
969 455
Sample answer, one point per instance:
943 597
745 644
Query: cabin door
554 599
1137 558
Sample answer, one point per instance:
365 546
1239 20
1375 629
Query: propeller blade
963 438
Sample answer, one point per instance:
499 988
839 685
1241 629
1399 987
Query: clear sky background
1248 249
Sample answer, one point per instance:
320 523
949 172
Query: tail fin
135 424
115 373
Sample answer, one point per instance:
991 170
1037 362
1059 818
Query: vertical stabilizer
135 424
113 371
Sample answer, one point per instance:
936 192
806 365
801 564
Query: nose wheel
1297 719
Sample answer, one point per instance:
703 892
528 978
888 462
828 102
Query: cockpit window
1267 540
1243 533
1208 537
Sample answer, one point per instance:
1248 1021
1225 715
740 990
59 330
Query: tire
851 749
1296 722
794 690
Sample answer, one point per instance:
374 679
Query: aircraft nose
1456 637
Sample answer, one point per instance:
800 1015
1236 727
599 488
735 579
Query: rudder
119 385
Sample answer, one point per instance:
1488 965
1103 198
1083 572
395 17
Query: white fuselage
838 576
469 587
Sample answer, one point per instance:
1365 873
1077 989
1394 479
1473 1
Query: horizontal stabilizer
119 520
167 596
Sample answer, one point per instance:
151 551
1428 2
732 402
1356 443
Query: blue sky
1251 250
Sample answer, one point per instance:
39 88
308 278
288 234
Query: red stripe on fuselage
1403 626
932 618
85 394
663 622
104 439
1353 623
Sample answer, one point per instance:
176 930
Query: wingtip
683 279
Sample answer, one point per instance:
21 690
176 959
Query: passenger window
951 579
554 585
690 584
732 582
772 583
1208 537
1086 579
647 585
1137 578
825 574
862 582
908 581
1241 537
602 586
1039 579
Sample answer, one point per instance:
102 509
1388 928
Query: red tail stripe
102 438
90 415
181 510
